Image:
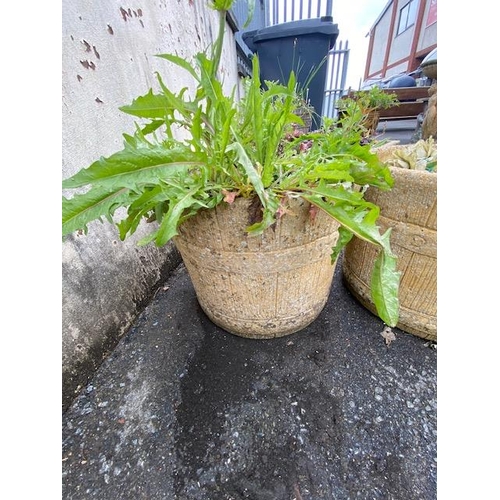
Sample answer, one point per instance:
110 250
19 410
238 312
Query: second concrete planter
410 208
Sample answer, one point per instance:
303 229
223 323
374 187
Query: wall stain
79 78
123 13
98 100
87 64
95 52
88 48
129 13
110 29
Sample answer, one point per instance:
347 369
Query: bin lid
317 26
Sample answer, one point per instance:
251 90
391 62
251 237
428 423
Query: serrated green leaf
328 173
336 193
170 221
177 103
152 127
144 204
148 106
352 218
268 215
361 223
82 209
134 166
179 61
269 199
385 287
251 172
345 236
210 87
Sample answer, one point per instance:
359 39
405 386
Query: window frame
407 16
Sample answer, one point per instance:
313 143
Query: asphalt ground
184 410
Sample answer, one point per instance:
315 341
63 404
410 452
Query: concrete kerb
99 307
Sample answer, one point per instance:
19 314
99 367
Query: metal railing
336 72
282 11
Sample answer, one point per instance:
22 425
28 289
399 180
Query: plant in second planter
369 102
241 154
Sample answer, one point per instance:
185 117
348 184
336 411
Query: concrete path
404 131
183 410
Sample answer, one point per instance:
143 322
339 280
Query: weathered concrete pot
262 286
371 122
410 208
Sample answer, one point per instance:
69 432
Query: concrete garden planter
410 208
262 286
371 122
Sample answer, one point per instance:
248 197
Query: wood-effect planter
262 286
410 208
371 121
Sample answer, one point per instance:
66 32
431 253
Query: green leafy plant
234 148
371 99
367 103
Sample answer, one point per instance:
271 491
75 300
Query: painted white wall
400 47
428 35
380 43
108 59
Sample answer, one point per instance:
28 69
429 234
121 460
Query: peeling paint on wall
87 64
129 13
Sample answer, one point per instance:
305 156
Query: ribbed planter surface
410 208
371 121
262 286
